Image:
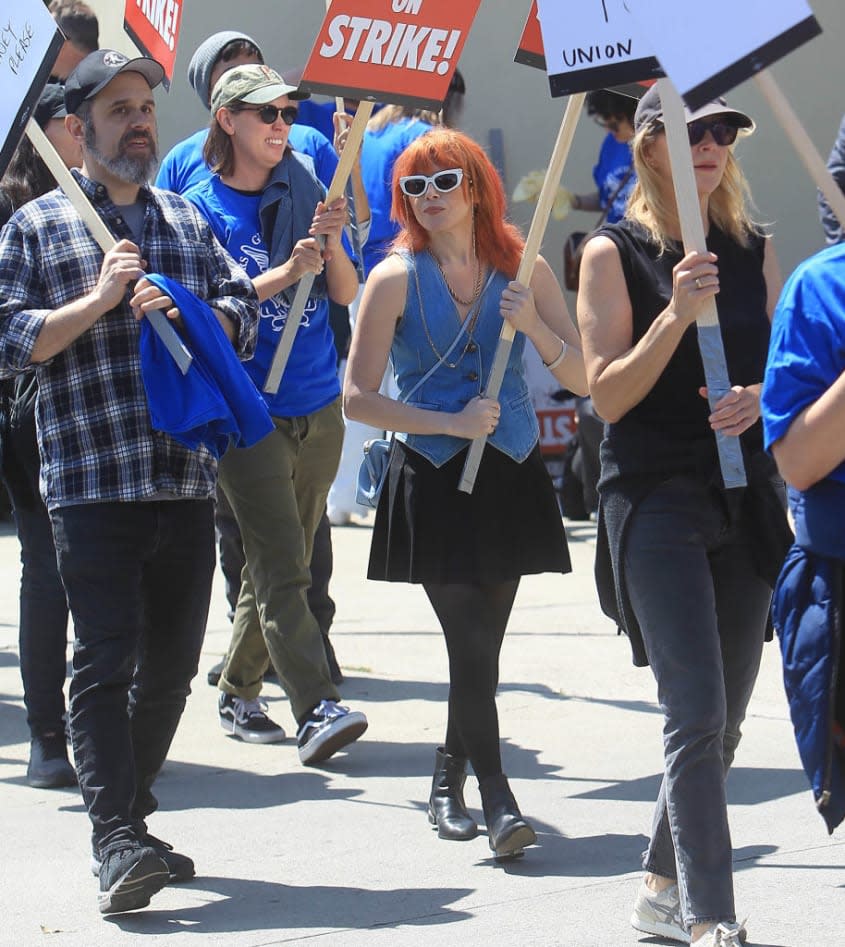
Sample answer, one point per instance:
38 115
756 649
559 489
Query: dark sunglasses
269 113
724 133
415 185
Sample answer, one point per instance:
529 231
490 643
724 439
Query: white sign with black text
29 44
594 44
708 49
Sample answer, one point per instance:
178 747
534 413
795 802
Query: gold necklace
476 289
470 321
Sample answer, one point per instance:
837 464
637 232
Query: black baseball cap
650 112
51 104
98 69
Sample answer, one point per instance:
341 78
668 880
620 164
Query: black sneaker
129 877
248 720
49 766
328 728
180 868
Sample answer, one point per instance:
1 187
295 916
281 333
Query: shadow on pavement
558 856
245 905
747 786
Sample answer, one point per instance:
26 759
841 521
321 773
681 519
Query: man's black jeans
138 581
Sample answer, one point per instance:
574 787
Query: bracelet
561 356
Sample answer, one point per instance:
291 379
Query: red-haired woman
435 306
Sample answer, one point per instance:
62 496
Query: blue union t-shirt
310 380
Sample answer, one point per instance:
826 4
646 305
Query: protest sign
530 50
728 43
30 42
401 51
594 44
153 26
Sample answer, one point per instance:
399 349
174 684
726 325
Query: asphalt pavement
343 854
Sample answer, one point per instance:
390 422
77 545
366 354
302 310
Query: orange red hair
498 242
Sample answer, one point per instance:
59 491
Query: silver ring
698 282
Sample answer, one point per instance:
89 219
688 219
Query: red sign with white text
531 52
153 26
402 51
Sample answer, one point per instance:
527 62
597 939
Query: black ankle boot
509 833
446 807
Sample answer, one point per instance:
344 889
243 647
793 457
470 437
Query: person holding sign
132 510
685 566
266 206
435 306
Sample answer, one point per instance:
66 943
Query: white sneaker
339 517
723 934
659 914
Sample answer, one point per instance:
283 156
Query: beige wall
515 99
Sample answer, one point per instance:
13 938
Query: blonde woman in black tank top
685 566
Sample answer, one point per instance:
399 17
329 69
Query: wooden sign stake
303 289
540 221
692 230
802 143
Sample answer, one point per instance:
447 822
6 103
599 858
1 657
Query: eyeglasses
269 113
724 133
415 185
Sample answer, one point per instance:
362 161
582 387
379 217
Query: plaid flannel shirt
95 436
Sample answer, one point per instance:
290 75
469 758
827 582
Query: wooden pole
539 223
303 289
802 143
102 235
692 231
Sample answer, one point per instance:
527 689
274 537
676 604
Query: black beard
132 170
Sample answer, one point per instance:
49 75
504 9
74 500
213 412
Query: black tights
474 618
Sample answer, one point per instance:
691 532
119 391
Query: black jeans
43 608
138 580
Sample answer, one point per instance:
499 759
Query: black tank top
673 408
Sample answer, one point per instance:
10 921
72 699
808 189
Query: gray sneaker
659 914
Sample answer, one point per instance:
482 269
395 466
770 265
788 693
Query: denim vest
449 389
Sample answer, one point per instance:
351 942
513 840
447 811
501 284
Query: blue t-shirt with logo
310 380
615 161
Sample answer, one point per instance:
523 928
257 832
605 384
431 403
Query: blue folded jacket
216 402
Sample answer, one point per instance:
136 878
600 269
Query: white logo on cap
114 59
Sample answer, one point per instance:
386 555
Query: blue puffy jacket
807 612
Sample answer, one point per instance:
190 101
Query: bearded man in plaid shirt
131 509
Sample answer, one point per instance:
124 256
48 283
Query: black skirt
427 531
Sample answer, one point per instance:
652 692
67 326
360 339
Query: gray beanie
205 59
